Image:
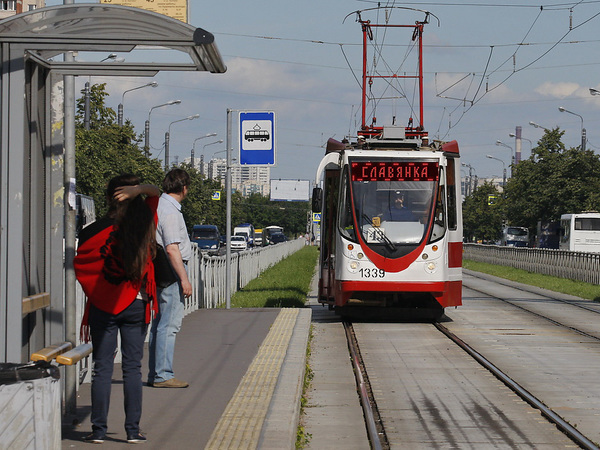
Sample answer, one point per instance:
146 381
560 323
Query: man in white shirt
171 233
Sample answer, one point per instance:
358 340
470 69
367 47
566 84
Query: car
276 238
207 237
238 243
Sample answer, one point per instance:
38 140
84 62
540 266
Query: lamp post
513 135
194 150
471 169
147 125
120 107
220 141
168 137
503 170
512 156
583 132
594 91
536 125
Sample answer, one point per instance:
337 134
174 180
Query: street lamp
194 150
583 132
503 170
220 141
168 137
512 157
120 107
594 91
469 190
147 125
535 125
513 135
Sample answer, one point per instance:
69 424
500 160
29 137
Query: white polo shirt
171 227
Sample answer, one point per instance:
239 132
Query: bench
63 353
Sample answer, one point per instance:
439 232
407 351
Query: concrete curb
281 423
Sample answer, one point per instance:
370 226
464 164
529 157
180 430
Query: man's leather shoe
171 383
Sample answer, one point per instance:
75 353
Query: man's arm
177 263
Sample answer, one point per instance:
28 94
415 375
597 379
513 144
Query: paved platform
245 368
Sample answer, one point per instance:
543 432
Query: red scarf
101 276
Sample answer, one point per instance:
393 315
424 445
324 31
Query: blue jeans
165 327
104 327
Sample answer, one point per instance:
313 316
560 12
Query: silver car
238 243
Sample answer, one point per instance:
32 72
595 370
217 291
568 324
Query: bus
580 232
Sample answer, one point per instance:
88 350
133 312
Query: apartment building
9 8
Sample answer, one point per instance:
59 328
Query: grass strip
578 288
284 285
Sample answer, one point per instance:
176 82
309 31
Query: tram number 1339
371 273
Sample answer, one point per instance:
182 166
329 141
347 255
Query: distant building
244 179
9 8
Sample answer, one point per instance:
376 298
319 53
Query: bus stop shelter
37 150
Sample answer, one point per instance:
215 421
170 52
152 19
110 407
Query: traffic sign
216 195
257 138
316 217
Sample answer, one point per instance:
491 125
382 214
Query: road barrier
579 266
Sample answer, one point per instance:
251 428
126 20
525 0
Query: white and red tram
391 222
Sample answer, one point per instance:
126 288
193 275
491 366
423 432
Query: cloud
557 90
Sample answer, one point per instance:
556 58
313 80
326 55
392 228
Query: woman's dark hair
134 228
175 181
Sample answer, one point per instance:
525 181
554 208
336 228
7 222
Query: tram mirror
317 199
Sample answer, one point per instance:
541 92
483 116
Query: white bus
580 232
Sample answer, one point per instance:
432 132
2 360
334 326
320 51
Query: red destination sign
394 171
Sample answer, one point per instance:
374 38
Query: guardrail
207 273
577 266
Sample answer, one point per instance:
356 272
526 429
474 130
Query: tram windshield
393 201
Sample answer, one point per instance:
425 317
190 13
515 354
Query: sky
490 66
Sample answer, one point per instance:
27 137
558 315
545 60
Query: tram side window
345 210
451 194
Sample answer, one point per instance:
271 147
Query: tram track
523 393
376 427
513 303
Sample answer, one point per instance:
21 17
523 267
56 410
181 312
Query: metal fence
207 273
577 266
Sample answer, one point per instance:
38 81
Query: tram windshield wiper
380 233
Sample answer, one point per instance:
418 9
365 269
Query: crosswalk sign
316 217
216 195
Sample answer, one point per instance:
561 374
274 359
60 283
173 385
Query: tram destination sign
394 171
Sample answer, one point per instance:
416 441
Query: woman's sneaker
136 438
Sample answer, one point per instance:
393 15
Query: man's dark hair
175 181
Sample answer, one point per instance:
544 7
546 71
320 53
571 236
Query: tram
391 219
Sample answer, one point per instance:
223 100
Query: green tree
482 220
107 150
553 181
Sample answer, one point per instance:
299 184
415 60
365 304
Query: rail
579 266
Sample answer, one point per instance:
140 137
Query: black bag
163 271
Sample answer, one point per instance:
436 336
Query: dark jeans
104 328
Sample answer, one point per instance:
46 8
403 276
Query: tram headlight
360 255
353 266
424 256
430 267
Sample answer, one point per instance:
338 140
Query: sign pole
228 214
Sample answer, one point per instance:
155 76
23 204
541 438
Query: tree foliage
482 220
553 181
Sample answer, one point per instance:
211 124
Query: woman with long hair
114 267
